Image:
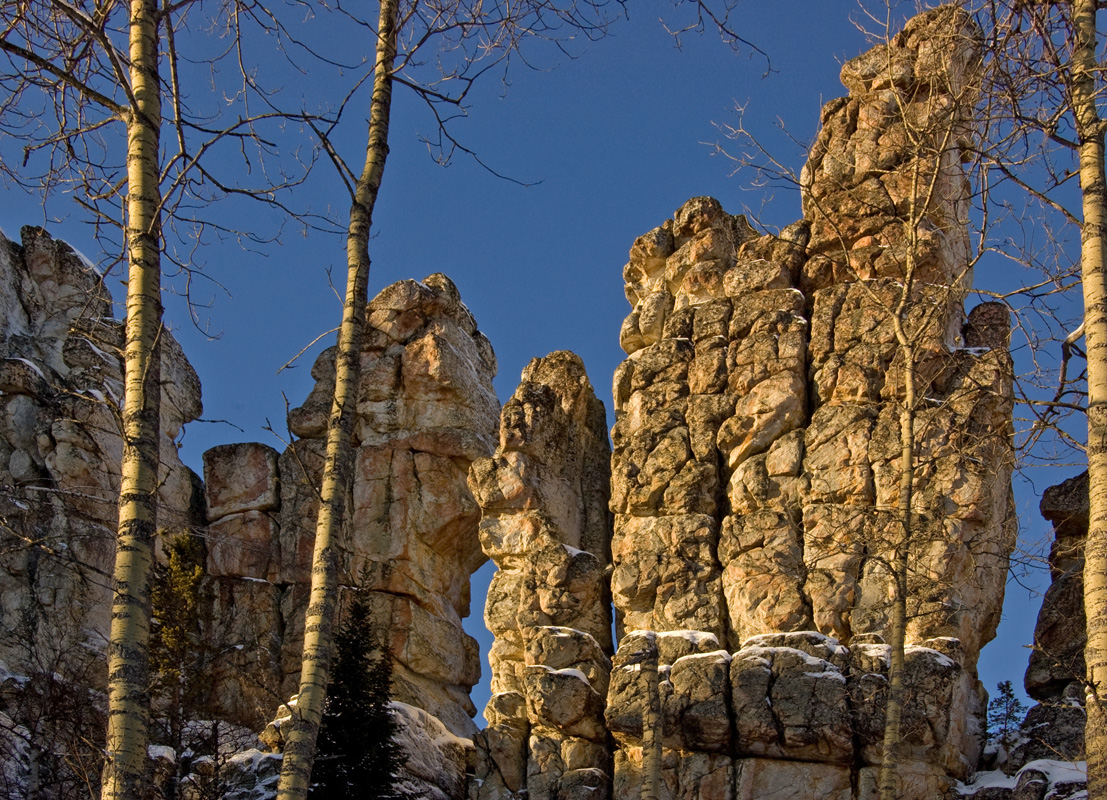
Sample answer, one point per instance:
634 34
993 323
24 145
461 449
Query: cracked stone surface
710 591
543 496
756 468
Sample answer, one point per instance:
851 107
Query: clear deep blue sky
618 138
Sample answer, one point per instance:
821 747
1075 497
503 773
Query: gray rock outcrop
426 411
61 393
1057 660
1051 736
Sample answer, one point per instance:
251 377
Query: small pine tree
181 691
1005 712
357 756
176 645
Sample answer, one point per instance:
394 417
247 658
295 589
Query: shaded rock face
1057 660
61 390
543 496
1054 728
756 469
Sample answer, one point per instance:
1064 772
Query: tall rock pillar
707 488
543 499
757 460
426 410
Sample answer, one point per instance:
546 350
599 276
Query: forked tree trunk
128 658
1093 189
300 744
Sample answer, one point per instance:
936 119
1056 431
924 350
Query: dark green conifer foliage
182 688
357 757
1005 712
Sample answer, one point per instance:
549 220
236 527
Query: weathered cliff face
1057 660
61 388
425 413
1039 761
1054 728
426 410
757 460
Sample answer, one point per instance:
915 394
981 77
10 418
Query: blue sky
617 139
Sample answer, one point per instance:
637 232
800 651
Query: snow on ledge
1056 773
696 638
569 672
941 658
419 718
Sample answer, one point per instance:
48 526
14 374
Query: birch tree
128 642
299 751
1046 90
89 116
44 39
467 40
1082 90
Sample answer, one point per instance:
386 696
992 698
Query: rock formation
1057 660
756 466
1050 739
738 533
1054 728
544 496
427 410
61 389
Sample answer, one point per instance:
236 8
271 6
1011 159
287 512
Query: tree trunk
919 202
651 728
300 745
1093 189
897 627
128 659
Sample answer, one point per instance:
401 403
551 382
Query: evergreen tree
357 756
181 681
1005 712
176 643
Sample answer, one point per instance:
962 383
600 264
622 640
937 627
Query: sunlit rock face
757 464
698 605
426 410
545 522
